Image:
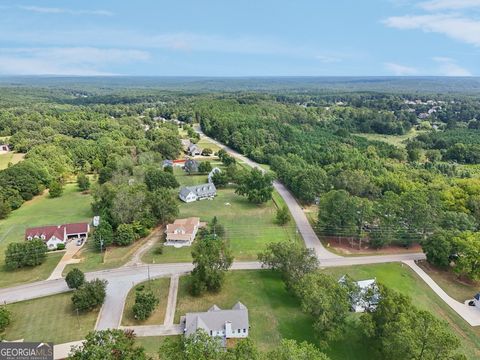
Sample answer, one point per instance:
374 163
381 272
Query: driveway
71 249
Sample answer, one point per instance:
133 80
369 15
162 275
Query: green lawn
50 318
395 140
449 282
160 288
10 157
151 344
274 314
72 206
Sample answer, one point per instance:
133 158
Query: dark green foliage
5 318
220 179
207 152
292 260
90 295
211 259
112 344
60 246
103 235
28 253
291 350
55 189
156 178
4 208
204 167
83 182
401 331
125 235
75 278
255 186
283 215
164 205
145 303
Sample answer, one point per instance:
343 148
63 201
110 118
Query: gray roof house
166 163
193 150
225 324
197 192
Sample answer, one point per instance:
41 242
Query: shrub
5 318
75 278
125 235
83 182
56 189
90 295
145 303
28 253
61 246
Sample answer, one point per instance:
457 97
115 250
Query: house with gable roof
53 235
183 231
197 192
225 324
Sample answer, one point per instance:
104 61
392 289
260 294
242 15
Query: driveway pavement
71 249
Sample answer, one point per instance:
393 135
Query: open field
72 206
275 314
50 318
449 282
11 157
160 288
395 140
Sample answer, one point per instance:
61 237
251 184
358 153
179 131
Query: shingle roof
199 190
215 318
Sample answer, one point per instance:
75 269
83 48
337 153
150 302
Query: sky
240 38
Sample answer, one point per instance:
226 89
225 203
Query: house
367 296
4 148
194 150
476 300
224 324
213 172
185 144
58 234
182 232
191 165
197 192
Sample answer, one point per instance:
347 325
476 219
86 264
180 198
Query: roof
215 318
477 297
182 229
364 284
199 190
76 228
47 232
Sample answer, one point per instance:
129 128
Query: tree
111 344
438 249
125 235
211 259
204 167
164 205
103 235
207 152
197 346
256 186
283 215
5 318
401 331
157 178
90 295
292 260
322 297
55 189
220 179
145 303
244 349
83 182
28 253
75 278
5 208
467 249
291 350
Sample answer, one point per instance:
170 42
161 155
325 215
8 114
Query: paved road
172 301
303 225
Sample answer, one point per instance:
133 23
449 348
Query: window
244 331
211 332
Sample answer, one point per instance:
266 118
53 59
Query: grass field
275 314
395 140
449 282
10 157
151 344
50 318
160 288
72 206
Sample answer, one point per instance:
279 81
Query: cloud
436 5
448 67
454 26
52 10
65 61
400 70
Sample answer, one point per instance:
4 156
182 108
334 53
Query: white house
54 235
476 300
182 232
366 297
197 192
4 148
224 324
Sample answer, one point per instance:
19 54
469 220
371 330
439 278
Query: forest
425 191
